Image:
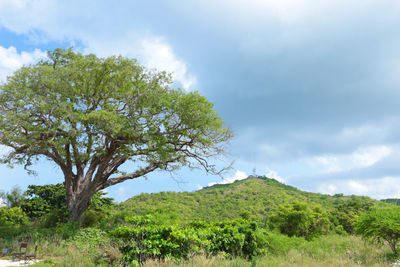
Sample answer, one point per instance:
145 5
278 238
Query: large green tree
90 115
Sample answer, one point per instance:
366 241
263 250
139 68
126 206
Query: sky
311 89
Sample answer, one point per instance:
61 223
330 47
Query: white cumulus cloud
379 188
102 34
159 55
11 60
274 175
239 175
360 158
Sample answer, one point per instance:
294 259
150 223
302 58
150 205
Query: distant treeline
395 201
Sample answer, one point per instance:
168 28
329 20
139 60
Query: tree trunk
77 209
78 200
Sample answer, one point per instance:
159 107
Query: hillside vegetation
251 198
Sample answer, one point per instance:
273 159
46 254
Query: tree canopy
90 115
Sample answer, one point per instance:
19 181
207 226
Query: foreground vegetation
93 247
296 229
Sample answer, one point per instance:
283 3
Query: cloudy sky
310 88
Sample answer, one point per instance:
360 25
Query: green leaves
148 240
381 223
299 219
12 216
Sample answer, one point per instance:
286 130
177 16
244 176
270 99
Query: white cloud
63 22
11 60
329 162
239 175
123 192
14 3
369 156
386 187
159 55
2 203
360 158
151 51
273 174
329 189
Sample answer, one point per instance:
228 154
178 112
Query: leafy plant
381 223
145 240
12 216
299 219
41 199
346 214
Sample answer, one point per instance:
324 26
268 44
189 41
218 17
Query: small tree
42 199
381 223
91 115
299 219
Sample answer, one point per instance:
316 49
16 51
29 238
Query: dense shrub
345 215
300 219
381 223
145 240
234 238
91 218
42 199
12 216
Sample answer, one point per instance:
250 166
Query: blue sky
311 89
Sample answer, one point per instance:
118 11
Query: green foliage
42 199
298 219
48 203
253 198
100 203
235 238
91 218
147 240
89 238
345 214
381 223
12 216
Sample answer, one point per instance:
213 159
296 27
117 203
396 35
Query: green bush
300 219
145 240
12 216
157 242
345 215
89 238
43 199
91 218
234 238
381 223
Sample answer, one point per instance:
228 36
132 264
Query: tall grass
332 250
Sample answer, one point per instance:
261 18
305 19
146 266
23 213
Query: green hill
253 197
